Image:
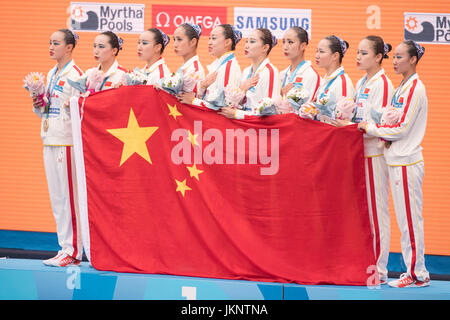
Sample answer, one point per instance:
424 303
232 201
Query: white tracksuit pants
60 171
377 185
406 188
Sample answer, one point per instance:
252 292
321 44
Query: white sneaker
62 260
51 261
406 281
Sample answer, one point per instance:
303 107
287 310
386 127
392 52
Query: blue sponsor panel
23 279
438 290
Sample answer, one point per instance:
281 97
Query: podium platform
29 279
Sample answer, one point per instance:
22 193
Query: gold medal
45 125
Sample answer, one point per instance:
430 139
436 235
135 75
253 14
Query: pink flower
390 116
95 80
308 111
283 105
233 96
189 82
345 109
34 82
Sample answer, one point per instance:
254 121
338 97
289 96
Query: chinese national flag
171 189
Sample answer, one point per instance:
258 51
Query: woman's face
181 43
292 47
103 51
324 56
402 61
365 57
57 46
147 48
217 44
254 45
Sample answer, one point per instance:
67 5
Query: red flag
178 189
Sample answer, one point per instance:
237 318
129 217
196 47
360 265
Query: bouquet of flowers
345 109
34 82
233 96
326 106
390 116
266 107
387 117
95 80
189 81
173 83
298 96
91 83
135 77
308 111
284 106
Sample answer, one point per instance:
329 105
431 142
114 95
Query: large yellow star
174 111
182 186
193 138
134 138
194 172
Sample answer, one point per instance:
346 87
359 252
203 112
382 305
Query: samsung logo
272 23
277 21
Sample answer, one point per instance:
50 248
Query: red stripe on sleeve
405 109
344 85
161 71
78 70
271 79
385 90
227 73
317 85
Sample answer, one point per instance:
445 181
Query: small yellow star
193 138
174 111
194 172
182 186
134 138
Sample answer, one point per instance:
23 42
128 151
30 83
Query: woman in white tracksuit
106 48
185 43
224 71
300 72
336 81
151 45
405 162
374 91
261 79
56 133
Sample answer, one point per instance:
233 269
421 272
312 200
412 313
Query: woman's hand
66 103
362 126
341 123
228 112
286 88
37 103
209 80
250 82
186 97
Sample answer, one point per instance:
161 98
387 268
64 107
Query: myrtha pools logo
427 27
99 17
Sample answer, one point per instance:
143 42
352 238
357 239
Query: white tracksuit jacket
305 76
228 73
